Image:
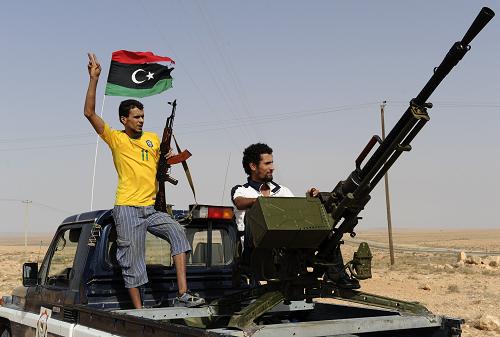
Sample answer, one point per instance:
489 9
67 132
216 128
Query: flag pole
95 160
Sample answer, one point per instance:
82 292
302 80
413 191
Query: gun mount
295 238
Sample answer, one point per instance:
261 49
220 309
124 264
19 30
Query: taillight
213 212
220 213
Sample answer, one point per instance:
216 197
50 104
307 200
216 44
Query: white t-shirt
252 189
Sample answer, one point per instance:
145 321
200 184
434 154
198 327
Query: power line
445 104
226 60
43 147
179 63
37 138
36 204
217 80
232 122
216 125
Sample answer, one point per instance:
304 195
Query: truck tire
5 332
4 328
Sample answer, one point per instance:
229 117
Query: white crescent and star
149 76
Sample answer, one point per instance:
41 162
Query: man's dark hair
252 155
127 105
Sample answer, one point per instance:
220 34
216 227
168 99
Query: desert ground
446 282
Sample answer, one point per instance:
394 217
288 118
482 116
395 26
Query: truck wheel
5 332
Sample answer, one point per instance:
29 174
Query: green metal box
288 222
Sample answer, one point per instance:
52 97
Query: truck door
57 277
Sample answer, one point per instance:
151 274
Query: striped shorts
132 222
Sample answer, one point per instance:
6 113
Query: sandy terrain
468 289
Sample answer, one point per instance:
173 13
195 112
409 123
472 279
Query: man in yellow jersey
135 155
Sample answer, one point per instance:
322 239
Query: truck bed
295 319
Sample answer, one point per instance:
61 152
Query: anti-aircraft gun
295 238
350 196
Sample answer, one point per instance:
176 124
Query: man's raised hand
94 67
89 108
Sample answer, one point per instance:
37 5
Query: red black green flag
135 74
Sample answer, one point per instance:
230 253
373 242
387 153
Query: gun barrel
407 122
482 19
455 54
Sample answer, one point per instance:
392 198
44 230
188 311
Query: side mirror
61 243
30 274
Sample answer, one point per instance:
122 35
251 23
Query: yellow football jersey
136 162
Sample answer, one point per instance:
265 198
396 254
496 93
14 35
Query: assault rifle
164 164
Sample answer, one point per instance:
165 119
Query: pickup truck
78 291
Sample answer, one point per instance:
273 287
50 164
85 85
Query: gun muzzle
482 19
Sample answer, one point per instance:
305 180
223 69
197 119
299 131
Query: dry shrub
467 270
453 288
488 272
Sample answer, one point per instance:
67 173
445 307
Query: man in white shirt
259 166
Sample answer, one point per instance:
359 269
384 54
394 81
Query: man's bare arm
89 110
242 203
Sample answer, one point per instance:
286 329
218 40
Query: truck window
222 252
61 263
157 251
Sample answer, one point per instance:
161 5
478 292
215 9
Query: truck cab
80 266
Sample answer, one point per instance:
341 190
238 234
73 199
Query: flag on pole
135 74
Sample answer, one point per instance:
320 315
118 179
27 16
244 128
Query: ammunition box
283 222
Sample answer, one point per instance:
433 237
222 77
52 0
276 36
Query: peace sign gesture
94 67
89 109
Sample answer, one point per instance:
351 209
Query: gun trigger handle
374 140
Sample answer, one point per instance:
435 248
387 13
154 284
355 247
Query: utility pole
26 221
387 199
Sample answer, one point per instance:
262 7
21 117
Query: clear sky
307 77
